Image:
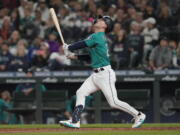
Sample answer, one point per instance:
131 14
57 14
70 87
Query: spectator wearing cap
5 57
151 37
135 43
161 55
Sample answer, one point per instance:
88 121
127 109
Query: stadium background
28 34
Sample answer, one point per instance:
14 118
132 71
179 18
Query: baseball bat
55 20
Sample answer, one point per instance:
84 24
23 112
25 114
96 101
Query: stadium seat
177 101
54 100
22 101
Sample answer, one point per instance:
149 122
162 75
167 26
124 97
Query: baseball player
103 77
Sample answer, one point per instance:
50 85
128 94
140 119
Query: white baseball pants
104 81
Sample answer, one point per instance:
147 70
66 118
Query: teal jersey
98 49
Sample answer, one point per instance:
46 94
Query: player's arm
80 57
90 42
77 45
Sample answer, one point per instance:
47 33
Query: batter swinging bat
55 20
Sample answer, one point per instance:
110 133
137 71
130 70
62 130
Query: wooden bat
55 20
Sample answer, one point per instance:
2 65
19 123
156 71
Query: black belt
98 70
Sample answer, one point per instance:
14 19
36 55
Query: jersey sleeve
91 40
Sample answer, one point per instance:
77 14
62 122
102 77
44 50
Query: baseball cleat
69 124
139 120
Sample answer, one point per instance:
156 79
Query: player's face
100 24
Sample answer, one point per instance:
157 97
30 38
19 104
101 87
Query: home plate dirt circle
22 130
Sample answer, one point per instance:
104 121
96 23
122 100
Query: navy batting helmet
107 20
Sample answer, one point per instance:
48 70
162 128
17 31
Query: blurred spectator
111 11
120 50
161 55
52 42
178 54
20 44
135 42
5 103
14 38
44 10
15 19
28 27
113 35
121 4
165 18
139 18
20 60
5 57
70 107
56 4
33 49
173 47
151 37
149 12
21 8
28 88
40 60
58 59
39 22
120 16
5 30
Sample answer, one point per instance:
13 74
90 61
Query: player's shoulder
92 36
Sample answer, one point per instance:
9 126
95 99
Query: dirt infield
22 130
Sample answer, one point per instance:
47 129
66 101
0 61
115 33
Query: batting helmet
108 21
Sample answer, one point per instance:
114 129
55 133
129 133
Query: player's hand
71 56
65 47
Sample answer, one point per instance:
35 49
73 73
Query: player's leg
106 82
86 89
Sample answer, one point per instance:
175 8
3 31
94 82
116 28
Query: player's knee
112 105
79 92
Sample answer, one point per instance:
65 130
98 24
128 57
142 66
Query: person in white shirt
151 37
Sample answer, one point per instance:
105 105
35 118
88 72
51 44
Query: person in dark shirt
28 88
135 42
20 60
40 60
5 57
119 50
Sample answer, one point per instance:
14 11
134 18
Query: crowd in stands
145 35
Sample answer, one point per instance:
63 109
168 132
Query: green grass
102 133
82 132
91 125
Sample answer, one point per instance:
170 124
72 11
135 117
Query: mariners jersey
98 49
